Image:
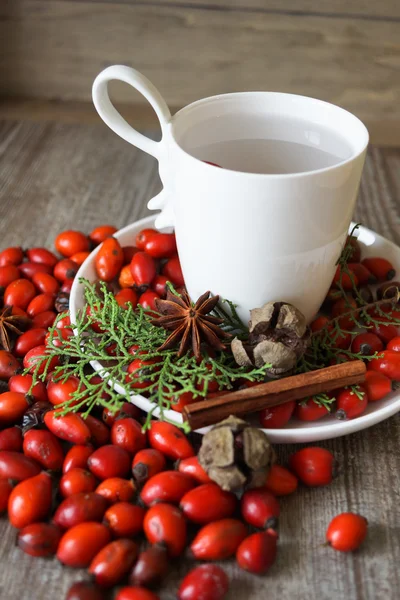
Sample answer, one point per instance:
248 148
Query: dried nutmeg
278 335
236 455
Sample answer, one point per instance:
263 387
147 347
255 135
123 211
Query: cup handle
117 123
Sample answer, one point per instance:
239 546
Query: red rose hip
77 457
143 268
113 562
257 553
8 274
280 481
260 508
109 259
152 565
11 439
71 428
44 447
191 466
70 242
116 489
77 481
85 590
366 344
148 300
127 434
380 267
169 440
135 593
30 501
9 365
100 433
11 256
23 385
218 540
309 410
208 582
276 417
144 236
109 461
173 271
208 503
12 407
314 466
80 544
39 539
101 233
167 486
80 508
146 463
351 404
165 524
125 519
388 364
347 531
17 466
19 293
42 256
376 385
161 245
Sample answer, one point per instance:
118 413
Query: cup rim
234 173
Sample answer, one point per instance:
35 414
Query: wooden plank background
360 9
344 52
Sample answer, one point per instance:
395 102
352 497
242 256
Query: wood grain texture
55 49
138 115
382 131
58 176
359 9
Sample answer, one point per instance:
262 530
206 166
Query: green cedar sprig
163 379
321 400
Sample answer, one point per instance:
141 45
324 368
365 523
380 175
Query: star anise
10 324
190 323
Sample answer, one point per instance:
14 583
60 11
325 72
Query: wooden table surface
59 176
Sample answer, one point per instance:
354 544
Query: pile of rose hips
115 485
89 491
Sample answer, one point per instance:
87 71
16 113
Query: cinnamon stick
250 400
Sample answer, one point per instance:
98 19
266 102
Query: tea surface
270 156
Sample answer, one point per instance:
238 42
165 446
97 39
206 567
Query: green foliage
322 400
164 378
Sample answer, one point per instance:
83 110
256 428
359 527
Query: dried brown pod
278 335
34 416
62 302
236 455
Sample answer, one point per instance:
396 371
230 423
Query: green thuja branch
109 336
321 400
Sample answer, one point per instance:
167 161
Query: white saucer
295 431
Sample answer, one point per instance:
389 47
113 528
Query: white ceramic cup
250 237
